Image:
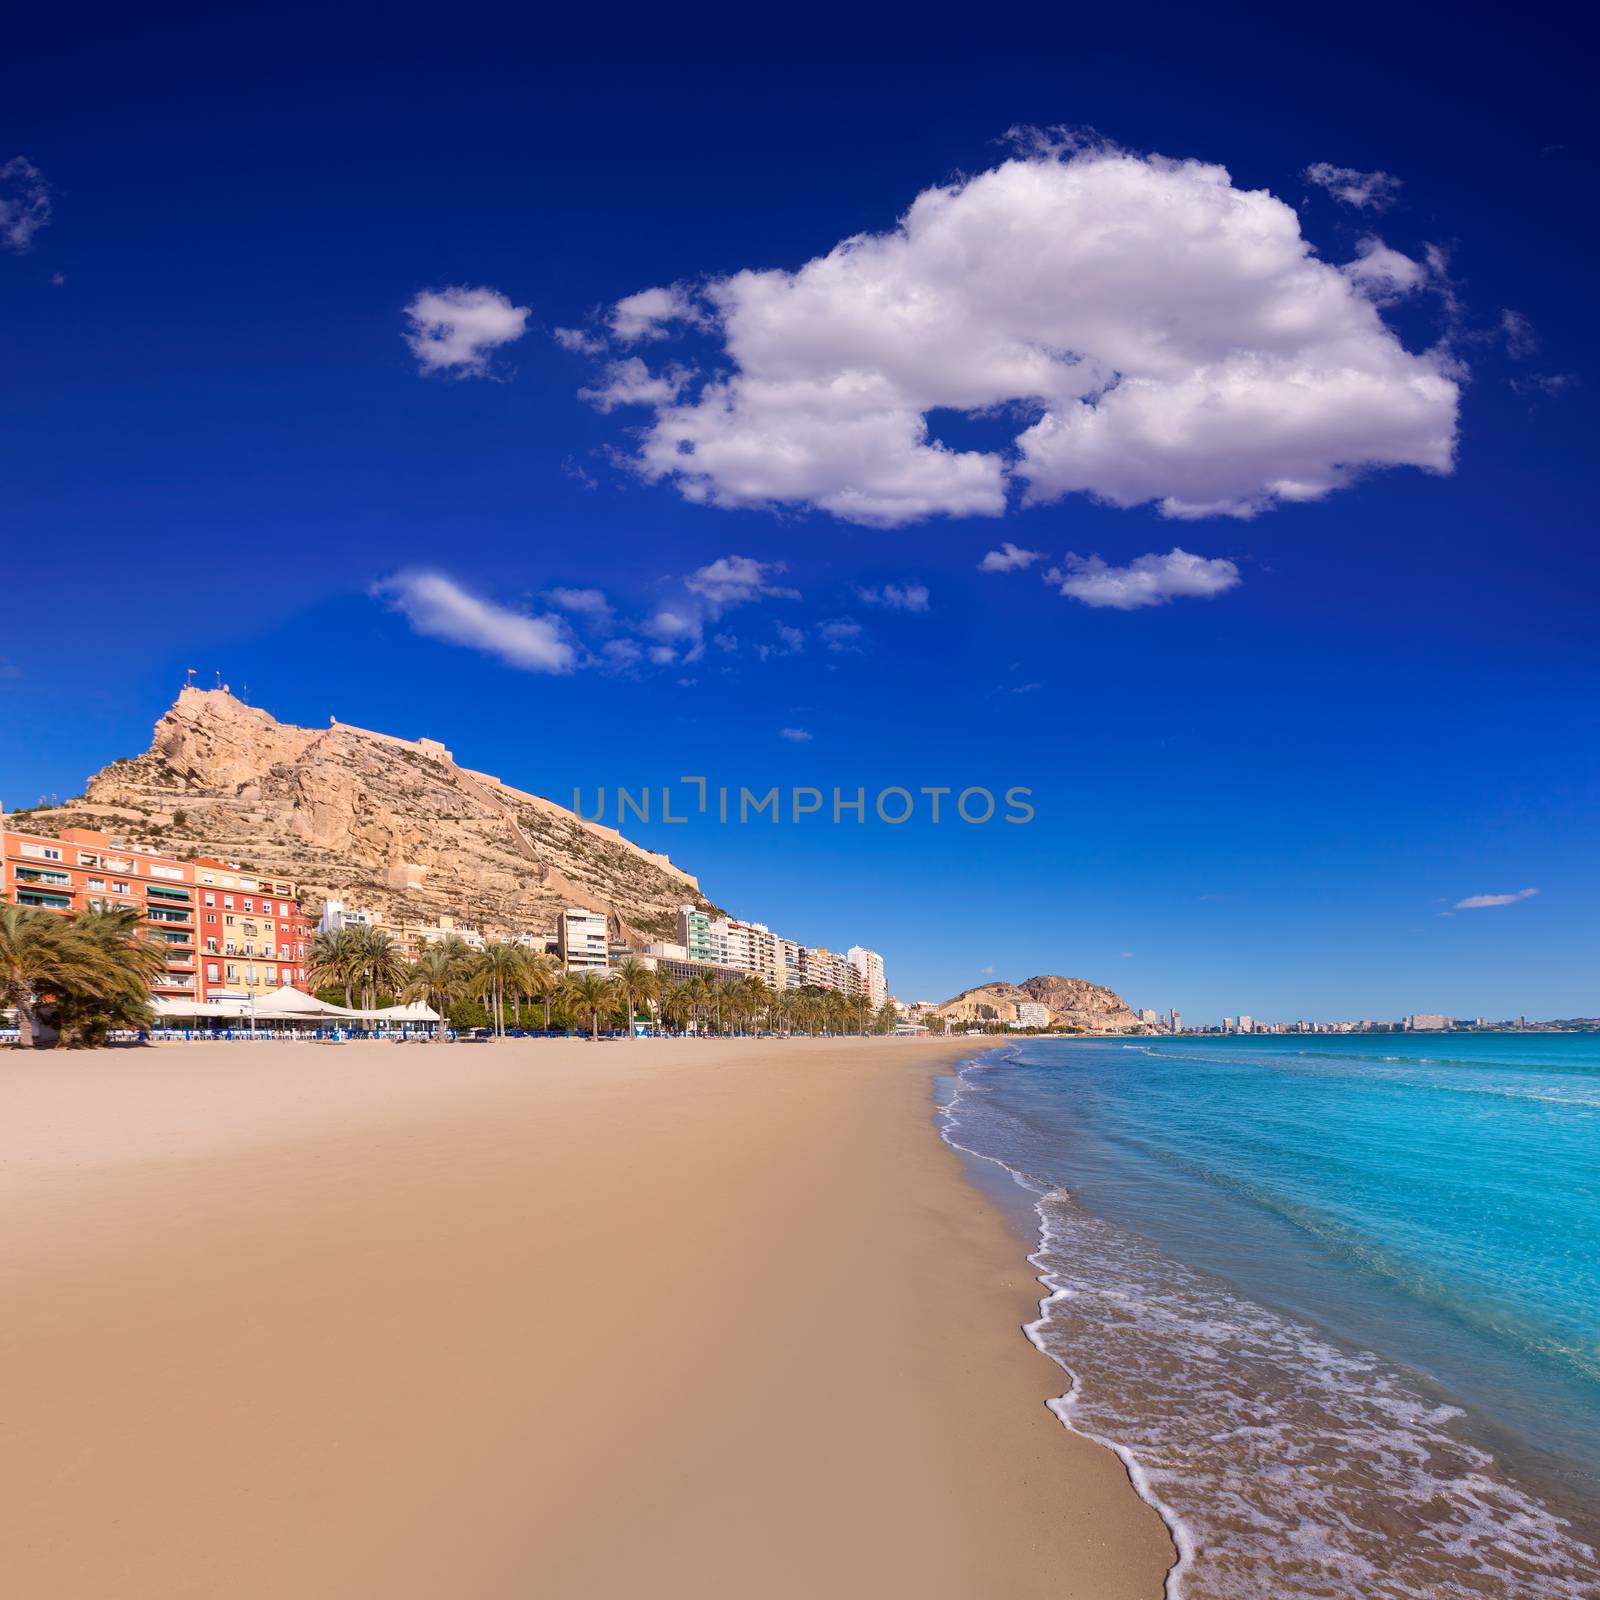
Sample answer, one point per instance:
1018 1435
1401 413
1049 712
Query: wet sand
552 1319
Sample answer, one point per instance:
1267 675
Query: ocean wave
1282 1463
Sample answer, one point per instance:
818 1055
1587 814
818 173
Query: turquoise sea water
1335 1299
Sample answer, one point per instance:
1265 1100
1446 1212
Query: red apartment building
225 930
253 935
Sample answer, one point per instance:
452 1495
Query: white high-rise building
870 966
581 940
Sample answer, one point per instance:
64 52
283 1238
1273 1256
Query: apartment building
869 967
254 937
753 948
81 869
581 940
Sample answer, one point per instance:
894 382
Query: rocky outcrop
1070 1002
394 825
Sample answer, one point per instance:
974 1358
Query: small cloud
1481 902
1367 191
456 330
439 608
1026 688
897 597
577 341
1151 580
9 670
1549 384
734 580
791 641
574 470
986 972
1009 558
728 643
669 624
1381 274
24 204
1520 339
795 735
581 602
648 314
840 635
1127 955
58 278
621 652
632 383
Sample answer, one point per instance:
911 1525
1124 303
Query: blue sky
1370 698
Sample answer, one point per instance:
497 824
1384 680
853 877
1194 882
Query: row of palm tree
76 979
79 978
503 976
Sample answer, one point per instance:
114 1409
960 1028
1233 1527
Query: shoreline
556 1318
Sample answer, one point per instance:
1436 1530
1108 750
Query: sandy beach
525 1319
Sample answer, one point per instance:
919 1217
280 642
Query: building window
233 973
249 905
211 917
227 904
118 886
212 971
211 899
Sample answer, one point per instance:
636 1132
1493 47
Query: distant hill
1073 1001
394 825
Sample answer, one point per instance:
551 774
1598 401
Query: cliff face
375 821
1074 1001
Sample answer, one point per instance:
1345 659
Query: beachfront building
337 916
869 966
1030 1014
581 940
753 949
81 869
254 938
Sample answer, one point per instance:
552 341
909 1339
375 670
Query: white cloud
795 735
456 330
578 341
621 652
1367 191
1162 336
632 383
1151 580
1009 558
581 602
733 580
24 204
1382 274
840 635
897 597
1479 902
669 624
440 608
1518 333
649 314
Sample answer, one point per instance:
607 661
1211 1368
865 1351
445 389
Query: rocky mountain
381 823
1071 1001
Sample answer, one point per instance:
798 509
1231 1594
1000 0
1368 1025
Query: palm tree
496 967
382 969
590 993
135 962
47 960
677 1004
637 982
337 961
438 975
540 979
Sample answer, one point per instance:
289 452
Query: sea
1333 1299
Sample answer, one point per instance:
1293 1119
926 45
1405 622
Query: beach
527 1318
